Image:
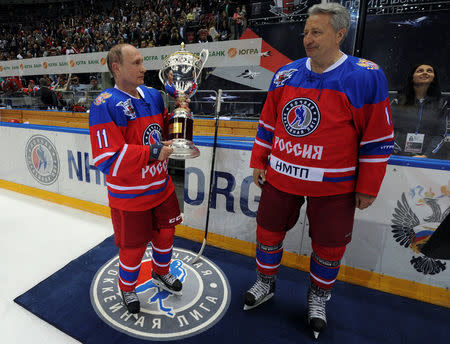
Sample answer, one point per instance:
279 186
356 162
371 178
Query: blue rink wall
58 161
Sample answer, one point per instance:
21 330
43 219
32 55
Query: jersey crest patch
367 64
152 134
282 76
300 117
102 98
128 108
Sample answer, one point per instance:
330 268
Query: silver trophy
179 74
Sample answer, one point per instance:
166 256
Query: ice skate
260 292
168 282
131 301
317 318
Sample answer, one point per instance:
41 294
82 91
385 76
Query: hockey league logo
282 76
42 159
128 109
413 225
300 117
164 317
152 134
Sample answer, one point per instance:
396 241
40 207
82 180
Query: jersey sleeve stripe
391 136
119 160
262 144
264 135
102 156
266 125
373 160
377 148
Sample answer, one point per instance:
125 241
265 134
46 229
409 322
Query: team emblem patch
42 159
101 99
367 64
128 108
152 134
282 76
164 316
300 117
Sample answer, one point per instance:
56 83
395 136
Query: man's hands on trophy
259 177
161 150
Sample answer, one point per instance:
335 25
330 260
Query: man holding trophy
127 125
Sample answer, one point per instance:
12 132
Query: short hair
340 16
115 56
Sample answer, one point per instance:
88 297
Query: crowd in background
93 26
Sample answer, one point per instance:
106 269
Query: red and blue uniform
325 134
121 129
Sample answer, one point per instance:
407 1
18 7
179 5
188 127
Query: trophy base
183 149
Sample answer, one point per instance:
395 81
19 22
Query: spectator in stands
203 36
47 96
190 17
238 23
94 84
420 115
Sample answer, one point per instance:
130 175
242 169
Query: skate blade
163 286
247 307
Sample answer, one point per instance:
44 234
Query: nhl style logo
152 134
164 316
128 108
300 117
42 159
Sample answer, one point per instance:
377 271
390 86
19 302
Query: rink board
59 161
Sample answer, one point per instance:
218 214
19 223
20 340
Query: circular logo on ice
301 116
152 134
205 299
42 159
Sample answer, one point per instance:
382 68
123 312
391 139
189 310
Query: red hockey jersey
325 134
121 129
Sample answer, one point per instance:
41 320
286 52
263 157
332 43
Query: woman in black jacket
420 115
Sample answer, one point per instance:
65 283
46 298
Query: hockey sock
324 265
129 266
269 250
162 245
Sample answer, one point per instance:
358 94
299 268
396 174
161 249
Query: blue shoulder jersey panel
361 80
365 82
152 96
104 108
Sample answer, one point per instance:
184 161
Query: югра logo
164 316
42 159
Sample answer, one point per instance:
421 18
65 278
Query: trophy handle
204 54
160 77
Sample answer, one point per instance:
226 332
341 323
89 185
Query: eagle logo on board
412 229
